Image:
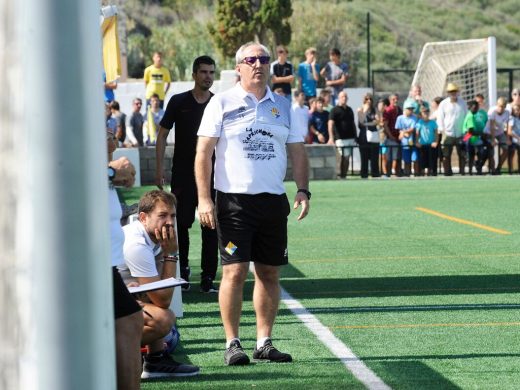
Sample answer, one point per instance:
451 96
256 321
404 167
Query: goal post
471 64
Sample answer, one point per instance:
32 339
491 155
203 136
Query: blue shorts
409 154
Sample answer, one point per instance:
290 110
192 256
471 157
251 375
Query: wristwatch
111 173
306 192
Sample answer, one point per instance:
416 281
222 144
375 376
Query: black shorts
252 228
124 303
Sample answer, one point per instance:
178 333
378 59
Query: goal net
471 64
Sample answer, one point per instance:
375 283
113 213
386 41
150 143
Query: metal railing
473 157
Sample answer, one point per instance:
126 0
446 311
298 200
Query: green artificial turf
425 302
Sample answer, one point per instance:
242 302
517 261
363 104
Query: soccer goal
471 64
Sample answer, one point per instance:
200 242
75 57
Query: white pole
64 231
492 71
13 301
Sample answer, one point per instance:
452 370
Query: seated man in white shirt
150 252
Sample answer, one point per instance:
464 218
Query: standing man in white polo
450 119
249 128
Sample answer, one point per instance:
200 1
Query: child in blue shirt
427 141
406 125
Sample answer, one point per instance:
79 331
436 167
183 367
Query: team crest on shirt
275 112
231 248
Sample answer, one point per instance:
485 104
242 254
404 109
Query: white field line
336 346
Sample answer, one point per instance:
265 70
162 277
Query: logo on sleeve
275 112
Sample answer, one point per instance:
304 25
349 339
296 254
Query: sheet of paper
160 284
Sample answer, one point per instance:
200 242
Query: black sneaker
185 274
270 353
235 355
163 366
207 286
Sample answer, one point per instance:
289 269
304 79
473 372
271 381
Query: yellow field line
462 221
396 326
465 255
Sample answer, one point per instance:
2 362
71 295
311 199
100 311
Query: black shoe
207 286
235 355
185 274
163 366
268 352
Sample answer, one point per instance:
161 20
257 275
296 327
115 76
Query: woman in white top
495 134
513 130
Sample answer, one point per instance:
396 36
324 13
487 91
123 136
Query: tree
241 21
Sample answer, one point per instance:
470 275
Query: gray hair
239 57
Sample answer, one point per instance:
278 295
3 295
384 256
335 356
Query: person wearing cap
450 119
406 125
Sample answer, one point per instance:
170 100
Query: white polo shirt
250 151
139 252
450 117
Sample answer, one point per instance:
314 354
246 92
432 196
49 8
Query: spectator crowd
415 138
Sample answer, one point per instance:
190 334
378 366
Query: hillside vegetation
398 31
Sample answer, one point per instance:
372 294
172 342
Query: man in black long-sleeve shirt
342 130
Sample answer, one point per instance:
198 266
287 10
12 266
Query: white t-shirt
500 121
300 119
140 252
250 151
450 117
117 238
514 122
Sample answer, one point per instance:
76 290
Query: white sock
228 343
260 342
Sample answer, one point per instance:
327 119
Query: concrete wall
322 161
147 164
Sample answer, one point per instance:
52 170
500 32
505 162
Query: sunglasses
264 60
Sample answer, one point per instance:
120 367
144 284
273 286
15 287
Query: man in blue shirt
308 74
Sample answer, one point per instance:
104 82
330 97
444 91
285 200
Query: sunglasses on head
252 60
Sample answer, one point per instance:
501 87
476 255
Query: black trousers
369 152
186 204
